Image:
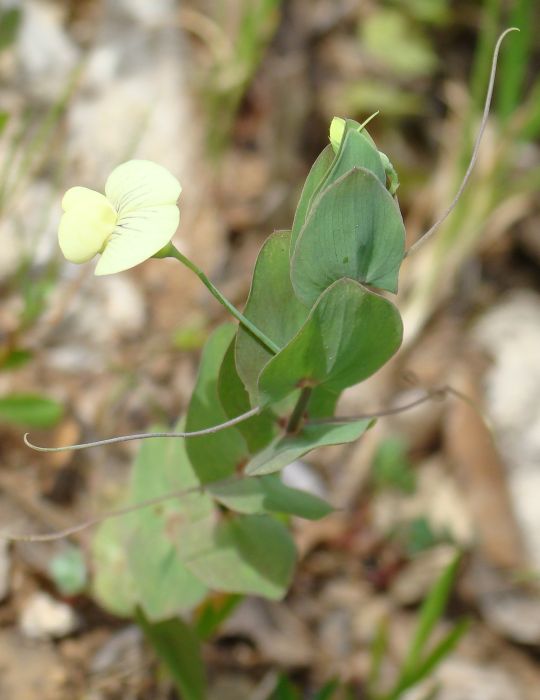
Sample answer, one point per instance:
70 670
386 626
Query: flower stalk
170 251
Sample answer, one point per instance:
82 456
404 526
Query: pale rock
123 648
96 317
510 335
30 229
72 358
281 637
147 13
124 307
299 475
43 617
510 609
46 54
461 679
516 614
39 212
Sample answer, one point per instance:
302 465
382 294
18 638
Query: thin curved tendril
145 436
434 394
98 519
366 122
487 106
439 392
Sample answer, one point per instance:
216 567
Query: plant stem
172 252
299 410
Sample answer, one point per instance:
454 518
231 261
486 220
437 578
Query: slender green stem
173 252
299 410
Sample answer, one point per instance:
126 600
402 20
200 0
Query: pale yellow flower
133 221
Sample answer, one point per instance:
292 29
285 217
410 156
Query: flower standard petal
138 235
141 183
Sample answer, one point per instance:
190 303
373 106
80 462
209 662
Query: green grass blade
489 29
430 613
515 59
178 647
377 652
328 692
214 612
284 690
439 652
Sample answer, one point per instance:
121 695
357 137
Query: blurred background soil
236 98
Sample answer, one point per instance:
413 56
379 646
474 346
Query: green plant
236 35
206 513
426 651
28 148
423 654
502 192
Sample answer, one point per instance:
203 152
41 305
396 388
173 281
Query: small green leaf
163 584
179 648
68 571
357 150
251 554
112 583
15 358
391 466
257 431
410 55
349 334
10 21
271 306
4 119
418 534
354 230
219 455
30 410
391 100
286 449
317 175
191 335
269 494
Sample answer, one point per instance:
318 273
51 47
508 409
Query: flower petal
138 236
81 235
337 128
141 183
84 198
